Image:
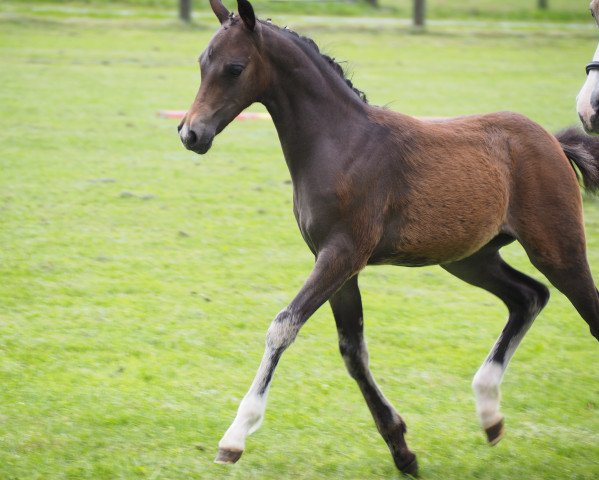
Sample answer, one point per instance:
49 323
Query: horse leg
576 283
333 267
524 298
347 310
556 246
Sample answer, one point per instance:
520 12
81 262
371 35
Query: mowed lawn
137 280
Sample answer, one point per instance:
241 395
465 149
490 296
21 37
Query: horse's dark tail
583 152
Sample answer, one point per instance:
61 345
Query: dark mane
331 61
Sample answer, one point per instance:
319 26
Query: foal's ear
246 12
219 10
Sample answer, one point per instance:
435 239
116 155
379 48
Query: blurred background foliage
554 10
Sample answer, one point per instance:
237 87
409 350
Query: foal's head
234 75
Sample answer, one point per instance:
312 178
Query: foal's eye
235 69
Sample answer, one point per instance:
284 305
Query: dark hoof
227 457
495 433
411 467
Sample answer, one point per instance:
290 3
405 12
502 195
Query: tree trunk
543 4
374 3
419 9
185 10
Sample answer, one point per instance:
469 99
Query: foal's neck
313 109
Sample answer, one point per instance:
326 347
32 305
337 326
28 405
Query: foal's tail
583 152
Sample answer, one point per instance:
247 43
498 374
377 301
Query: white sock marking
486 389
281 333
248 419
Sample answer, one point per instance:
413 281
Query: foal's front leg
347 309
333 267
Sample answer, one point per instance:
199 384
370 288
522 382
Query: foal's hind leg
555 243
571 275
347 309
524 298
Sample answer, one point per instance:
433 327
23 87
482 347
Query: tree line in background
418 11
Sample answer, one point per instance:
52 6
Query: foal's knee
283 330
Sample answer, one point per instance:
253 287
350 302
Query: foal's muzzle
198 139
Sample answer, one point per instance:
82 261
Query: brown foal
372 186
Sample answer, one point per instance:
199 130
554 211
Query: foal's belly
427 244
446 217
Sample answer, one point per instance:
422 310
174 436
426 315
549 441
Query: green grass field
138 279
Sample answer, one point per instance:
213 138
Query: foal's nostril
191 138
179 127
